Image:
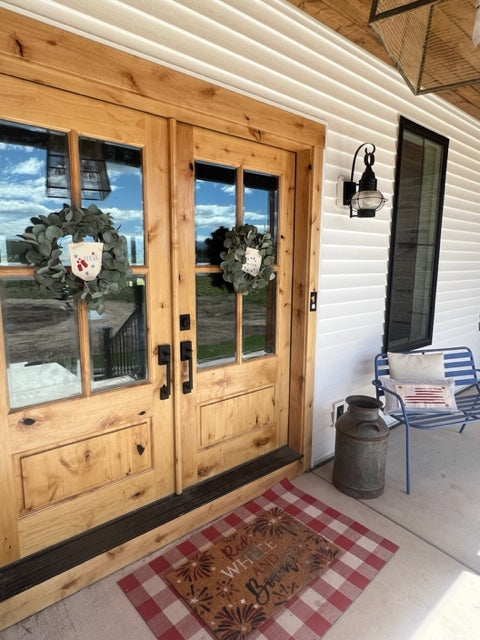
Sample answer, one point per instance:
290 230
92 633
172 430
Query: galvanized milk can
360 449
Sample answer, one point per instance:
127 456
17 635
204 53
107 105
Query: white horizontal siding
270 50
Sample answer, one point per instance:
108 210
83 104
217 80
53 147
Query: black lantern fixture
367 200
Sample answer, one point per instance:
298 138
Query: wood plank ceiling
350 18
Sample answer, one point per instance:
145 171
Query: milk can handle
367 424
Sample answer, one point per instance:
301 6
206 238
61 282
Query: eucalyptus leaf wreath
53 277
248 259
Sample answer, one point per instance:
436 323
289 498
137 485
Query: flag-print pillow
432 396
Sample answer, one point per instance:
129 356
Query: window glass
415 244
111 178
41 336
259 309
35 181
215 209
118 338
34 174
261 202
216 327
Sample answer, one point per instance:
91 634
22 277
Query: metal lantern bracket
368 200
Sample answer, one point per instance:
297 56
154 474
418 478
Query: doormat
308 614
238 583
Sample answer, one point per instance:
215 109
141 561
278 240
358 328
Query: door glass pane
34 175
215 209
118 338
261 202
41 345
111 178
215 322
259 310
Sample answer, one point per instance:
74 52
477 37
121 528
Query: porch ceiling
350 19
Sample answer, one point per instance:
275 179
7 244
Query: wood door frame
46 55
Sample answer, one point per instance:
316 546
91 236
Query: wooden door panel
78 462
230 380
55 523
69 470
38 426
243 448
237 410
236 416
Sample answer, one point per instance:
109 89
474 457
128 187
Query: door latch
165 358
186 355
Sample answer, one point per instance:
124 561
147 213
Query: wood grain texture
45 82
227 396
71 581
32 50
56 474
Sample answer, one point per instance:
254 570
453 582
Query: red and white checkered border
313 611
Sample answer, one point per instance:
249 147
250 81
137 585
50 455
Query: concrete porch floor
430 589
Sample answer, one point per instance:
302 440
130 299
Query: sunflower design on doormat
275 522
242 580
237 623
200 566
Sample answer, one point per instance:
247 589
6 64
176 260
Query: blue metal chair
459 365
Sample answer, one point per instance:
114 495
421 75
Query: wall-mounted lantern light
367 200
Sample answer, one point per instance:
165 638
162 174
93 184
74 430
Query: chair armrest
380 387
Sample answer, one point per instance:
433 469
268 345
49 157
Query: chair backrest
458 361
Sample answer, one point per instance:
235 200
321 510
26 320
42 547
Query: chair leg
407 457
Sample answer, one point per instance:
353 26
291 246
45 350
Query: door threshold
34 569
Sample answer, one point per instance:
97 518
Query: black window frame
399 296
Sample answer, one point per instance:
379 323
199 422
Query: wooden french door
234 384
86 423
180 379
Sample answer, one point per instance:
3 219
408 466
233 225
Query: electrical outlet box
338 410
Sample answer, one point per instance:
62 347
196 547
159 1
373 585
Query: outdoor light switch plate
340 192
338 410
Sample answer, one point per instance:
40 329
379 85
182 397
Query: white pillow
430 397
416 367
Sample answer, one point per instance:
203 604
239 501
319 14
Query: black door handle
186 354
165 357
